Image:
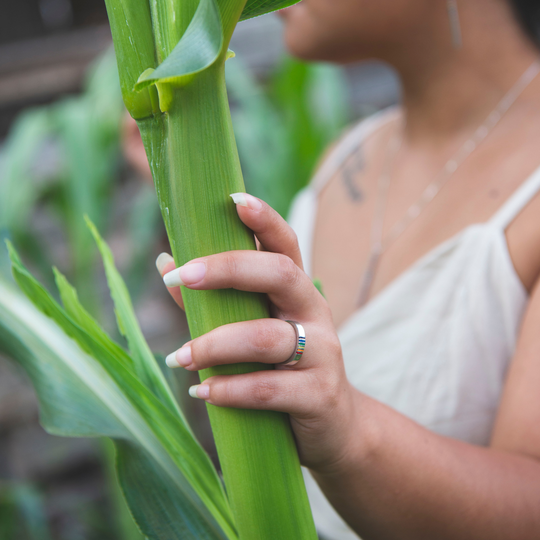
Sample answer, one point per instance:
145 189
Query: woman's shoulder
523 233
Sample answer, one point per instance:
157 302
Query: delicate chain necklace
379 244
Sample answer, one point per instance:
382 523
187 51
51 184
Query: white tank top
436 343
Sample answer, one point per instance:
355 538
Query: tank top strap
517 201
348 144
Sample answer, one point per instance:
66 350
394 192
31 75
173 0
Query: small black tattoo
349 173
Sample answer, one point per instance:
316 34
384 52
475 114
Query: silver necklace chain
380 244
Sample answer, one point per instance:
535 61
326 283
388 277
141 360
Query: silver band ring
300 344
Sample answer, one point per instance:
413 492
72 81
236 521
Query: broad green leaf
145 365
81 317
254 8
86 390
169 22
198 49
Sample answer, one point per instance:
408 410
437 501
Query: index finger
272 231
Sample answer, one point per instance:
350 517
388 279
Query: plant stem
256 448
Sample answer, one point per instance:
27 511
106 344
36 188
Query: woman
419 417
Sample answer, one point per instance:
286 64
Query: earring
455 25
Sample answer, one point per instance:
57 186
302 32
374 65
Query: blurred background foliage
63 160
62 129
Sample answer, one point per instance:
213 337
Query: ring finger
268 341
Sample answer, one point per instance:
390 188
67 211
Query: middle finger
287 286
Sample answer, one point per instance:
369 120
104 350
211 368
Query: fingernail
244 199
171 360
185 275
180 358
162 261
200 391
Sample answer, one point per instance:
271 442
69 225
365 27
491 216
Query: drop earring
455 25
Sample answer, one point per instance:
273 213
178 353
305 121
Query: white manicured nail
173 279
171 360
185 275
200 391
239 199
180 358
249 201
162 261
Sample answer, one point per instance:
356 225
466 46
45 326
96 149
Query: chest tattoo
350 173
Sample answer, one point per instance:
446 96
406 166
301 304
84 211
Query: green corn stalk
171 58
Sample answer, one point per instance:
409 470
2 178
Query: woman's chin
285 13
308 47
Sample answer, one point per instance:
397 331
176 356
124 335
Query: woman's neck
448 92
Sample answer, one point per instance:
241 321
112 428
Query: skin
388 477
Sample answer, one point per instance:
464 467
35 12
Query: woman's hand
315 392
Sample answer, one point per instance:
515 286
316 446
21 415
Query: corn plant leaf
80 316
198 49
85 389
254 8
145 365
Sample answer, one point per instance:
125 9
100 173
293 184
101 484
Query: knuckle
204 347
221 390
227 393
334 347
330 379
293 238
288 271
264 225
333 384
324 310
231 264
329 391
264 392
265 338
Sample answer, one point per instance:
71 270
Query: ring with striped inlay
300 344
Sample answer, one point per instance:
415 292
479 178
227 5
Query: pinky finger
281 391
165 263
